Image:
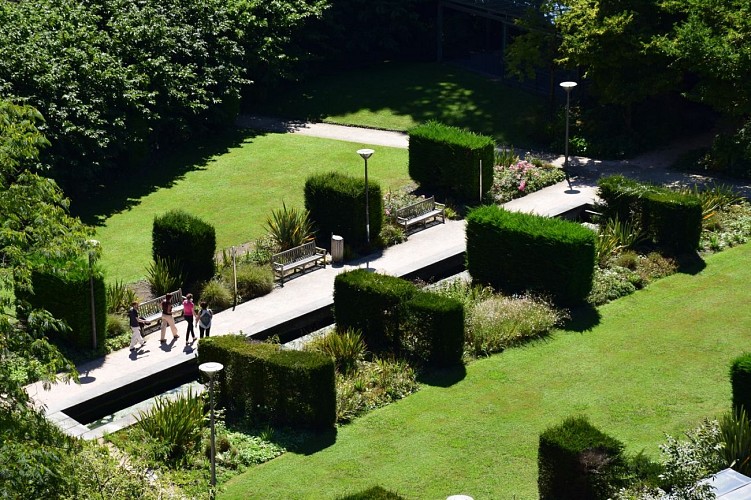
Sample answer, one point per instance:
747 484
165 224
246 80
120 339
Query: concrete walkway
313 291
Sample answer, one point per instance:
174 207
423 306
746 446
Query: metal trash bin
337 248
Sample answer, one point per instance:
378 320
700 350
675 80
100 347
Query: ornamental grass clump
289 227
346 349
174 426
374 384
165 275
499 322
735 434
119 297
615 236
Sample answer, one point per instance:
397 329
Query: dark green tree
709 41
36 229
610 42
117 79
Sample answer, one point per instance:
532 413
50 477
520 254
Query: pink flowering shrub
522 177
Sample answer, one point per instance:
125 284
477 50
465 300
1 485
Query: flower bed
522 177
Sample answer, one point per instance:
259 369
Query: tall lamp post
567 86
210 370
92 250
366 153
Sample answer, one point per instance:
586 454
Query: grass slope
234 190
656 363
398 96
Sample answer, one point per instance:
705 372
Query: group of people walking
202 320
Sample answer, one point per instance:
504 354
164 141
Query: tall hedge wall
670 219
336 203
518 252
576 461
270 384
69 298
372 303
448 158
188 240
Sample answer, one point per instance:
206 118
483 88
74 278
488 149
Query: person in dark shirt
135 325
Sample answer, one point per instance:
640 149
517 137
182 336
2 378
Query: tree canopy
116 79
36 229
646 53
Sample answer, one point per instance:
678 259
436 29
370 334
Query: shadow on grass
691 264
304 442
123 189
444 377
415 93
583 319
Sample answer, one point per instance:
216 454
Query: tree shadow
123 189
422 92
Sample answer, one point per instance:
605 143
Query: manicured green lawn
398 96
657 362
234 191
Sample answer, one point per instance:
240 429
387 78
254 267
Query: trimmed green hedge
672 220
270 384
434 331
577 461
740 381
179 236
69 298
395 317
336 203
448 158
621 196
517 252
372 303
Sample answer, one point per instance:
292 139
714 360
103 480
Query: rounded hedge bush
740 380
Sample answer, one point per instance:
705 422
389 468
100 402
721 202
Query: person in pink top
188 313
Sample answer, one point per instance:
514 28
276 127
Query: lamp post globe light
93 245
366 153
210 370
567 86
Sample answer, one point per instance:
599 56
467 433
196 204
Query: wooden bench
297 259
420 212
151 310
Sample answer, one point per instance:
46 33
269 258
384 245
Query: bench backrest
296 253
153 307
417 209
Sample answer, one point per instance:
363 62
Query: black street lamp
366 153
567 86
94 244
210 370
